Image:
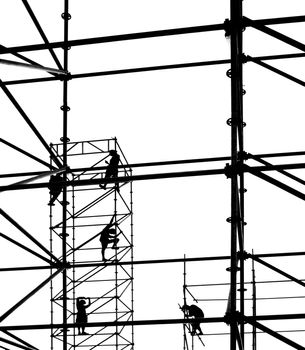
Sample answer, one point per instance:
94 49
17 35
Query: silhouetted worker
112 169
81 316
108 235
55 187
193 311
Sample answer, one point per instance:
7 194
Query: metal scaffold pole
253 305
236 122
185 344
65 108
132 268
116 274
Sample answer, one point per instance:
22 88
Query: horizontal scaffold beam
145 35
122 179
152 322
128 166
256 170
149 69
162 163
147 262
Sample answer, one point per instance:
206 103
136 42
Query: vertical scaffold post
116 265
253 304
236 143
184 302
132 268
185 344
51 282
73 261
65 108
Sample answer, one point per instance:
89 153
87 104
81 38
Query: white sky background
163 115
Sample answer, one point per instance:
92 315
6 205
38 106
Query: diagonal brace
29 295
35 66
290 277
274 182
275 70
286 39
274 334
6 341
41 32
25 248
19 339
283 172
238 338
40 176
21 229
26 59
16 148
30 124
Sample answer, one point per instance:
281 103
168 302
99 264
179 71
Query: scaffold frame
234 170
90 216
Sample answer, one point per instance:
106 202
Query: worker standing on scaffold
193 311
81 316
108 235
112 168
55 187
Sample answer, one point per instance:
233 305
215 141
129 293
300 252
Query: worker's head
113 152
185 307
112 231
82 302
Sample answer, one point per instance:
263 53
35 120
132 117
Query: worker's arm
111 221
89 302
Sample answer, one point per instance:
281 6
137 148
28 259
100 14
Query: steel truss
75 181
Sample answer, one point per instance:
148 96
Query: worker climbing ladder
105 286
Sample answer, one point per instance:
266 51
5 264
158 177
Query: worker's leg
114 241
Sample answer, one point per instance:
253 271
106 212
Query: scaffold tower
89 210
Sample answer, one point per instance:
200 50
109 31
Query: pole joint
66 76
231 170
227 27
236 121
243 255
65 108
64 139
233 317
61 265
243 156
66 16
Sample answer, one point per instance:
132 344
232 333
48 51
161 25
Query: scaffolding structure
90 211
81 182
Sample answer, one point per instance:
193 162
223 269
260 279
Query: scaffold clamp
227 27
66 15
